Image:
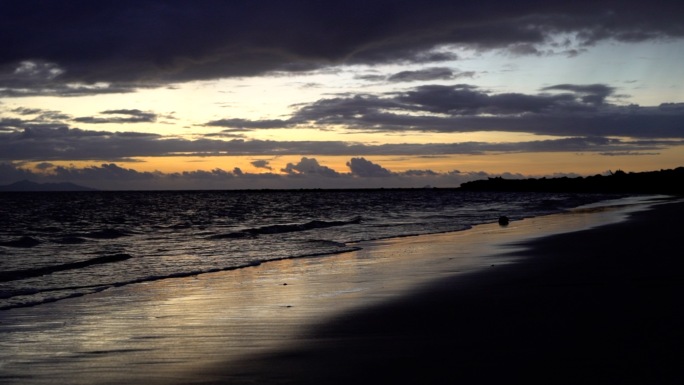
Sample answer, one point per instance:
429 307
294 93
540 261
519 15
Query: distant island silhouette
26 185
649 182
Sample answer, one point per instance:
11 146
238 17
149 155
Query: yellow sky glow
534 164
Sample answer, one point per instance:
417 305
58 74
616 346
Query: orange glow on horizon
527 164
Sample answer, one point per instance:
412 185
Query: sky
150 94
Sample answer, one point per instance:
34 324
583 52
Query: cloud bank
53 144
307 173
559 110
49 47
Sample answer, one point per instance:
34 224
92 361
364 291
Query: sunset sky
318 94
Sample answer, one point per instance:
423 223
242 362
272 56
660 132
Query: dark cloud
84 47
629 153
345 110
215 174
51 144
562 110
249 124
671 107
371 77
427 74
33 117
468 100
45 166
109 171
12 124
417 108
592 93
10 172
433 57
27 111
261 163
235 133
420 173
119 117
525 49
365 168
29 77
309 166
64 143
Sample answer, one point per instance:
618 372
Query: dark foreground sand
596 306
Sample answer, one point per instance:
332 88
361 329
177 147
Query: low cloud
309 166
261 163
68 144
244 124
629 153
365 168
559 110
591 94
119 117
307 173
428 74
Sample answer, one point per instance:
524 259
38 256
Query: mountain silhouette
26 185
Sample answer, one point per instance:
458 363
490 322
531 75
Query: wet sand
602 305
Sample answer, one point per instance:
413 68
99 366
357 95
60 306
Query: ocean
55 246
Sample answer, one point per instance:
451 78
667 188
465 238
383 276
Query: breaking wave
7 276
286 228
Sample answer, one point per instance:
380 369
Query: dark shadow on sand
596 306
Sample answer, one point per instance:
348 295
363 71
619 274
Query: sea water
60 245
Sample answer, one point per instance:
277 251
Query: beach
579 297
601 305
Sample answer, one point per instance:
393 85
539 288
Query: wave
47 229
325 242
70 240
27 241
24 242
288 228
106 234
236 235
78 291
14 275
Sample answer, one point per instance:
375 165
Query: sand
552 299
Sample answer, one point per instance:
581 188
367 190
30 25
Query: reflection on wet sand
169 330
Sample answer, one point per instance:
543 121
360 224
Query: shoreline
579 307
46 264
202 329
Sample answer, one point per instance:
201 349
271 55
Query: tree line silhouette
649 182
